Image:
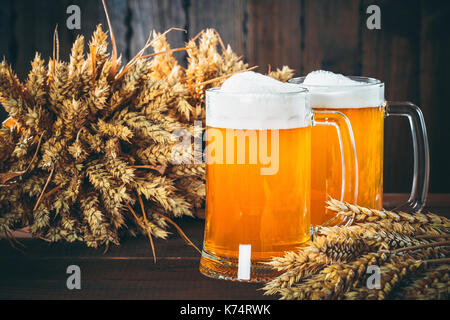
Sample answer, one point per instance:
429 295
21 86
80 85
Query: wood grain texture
92 14
6 27
124 272
158 15
7 45
34 28
392 55
229 18
36 22
331 36
274 34
434 90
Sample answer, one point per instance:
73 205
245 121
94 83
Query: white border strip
244 263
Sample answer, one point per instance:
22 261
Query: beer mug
258 173
364 104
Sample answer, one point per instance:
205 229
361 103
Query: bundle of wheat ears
409 251
87 154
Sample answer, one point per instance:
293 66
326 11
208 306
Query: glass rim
367 82
297 90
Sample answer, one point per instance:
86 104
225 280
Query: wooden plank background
411 52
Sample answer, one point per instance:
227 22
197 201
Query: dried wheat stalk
334 264
433 284
360 214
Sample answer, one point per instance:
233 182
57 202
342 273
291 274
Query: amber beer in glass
258 160
365 107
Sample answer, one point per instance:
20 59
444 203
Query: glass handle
348 149
419 190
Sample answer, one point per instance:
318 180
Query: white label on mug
244 263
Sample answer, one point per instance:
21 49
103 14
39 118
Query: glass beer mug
258 173
362 100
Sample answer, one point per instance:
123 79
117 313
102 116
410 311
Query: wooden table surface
128 271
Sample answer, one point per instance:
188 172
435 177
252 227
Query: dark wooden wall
411 52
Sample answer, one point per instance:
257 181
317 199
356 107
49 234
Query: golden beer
362 101
367 125
269 212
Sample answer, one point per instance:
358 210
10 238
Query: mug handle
419 190
348 156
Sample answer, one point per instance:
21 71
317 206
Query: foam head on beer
253 82
328 78
250 100
332 90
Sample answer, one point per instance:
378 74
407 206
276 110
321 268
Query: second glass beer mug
258 160
362 100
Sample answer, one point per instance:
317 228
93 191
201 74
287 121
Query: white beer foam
331 90
328 78
250 100
253 82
